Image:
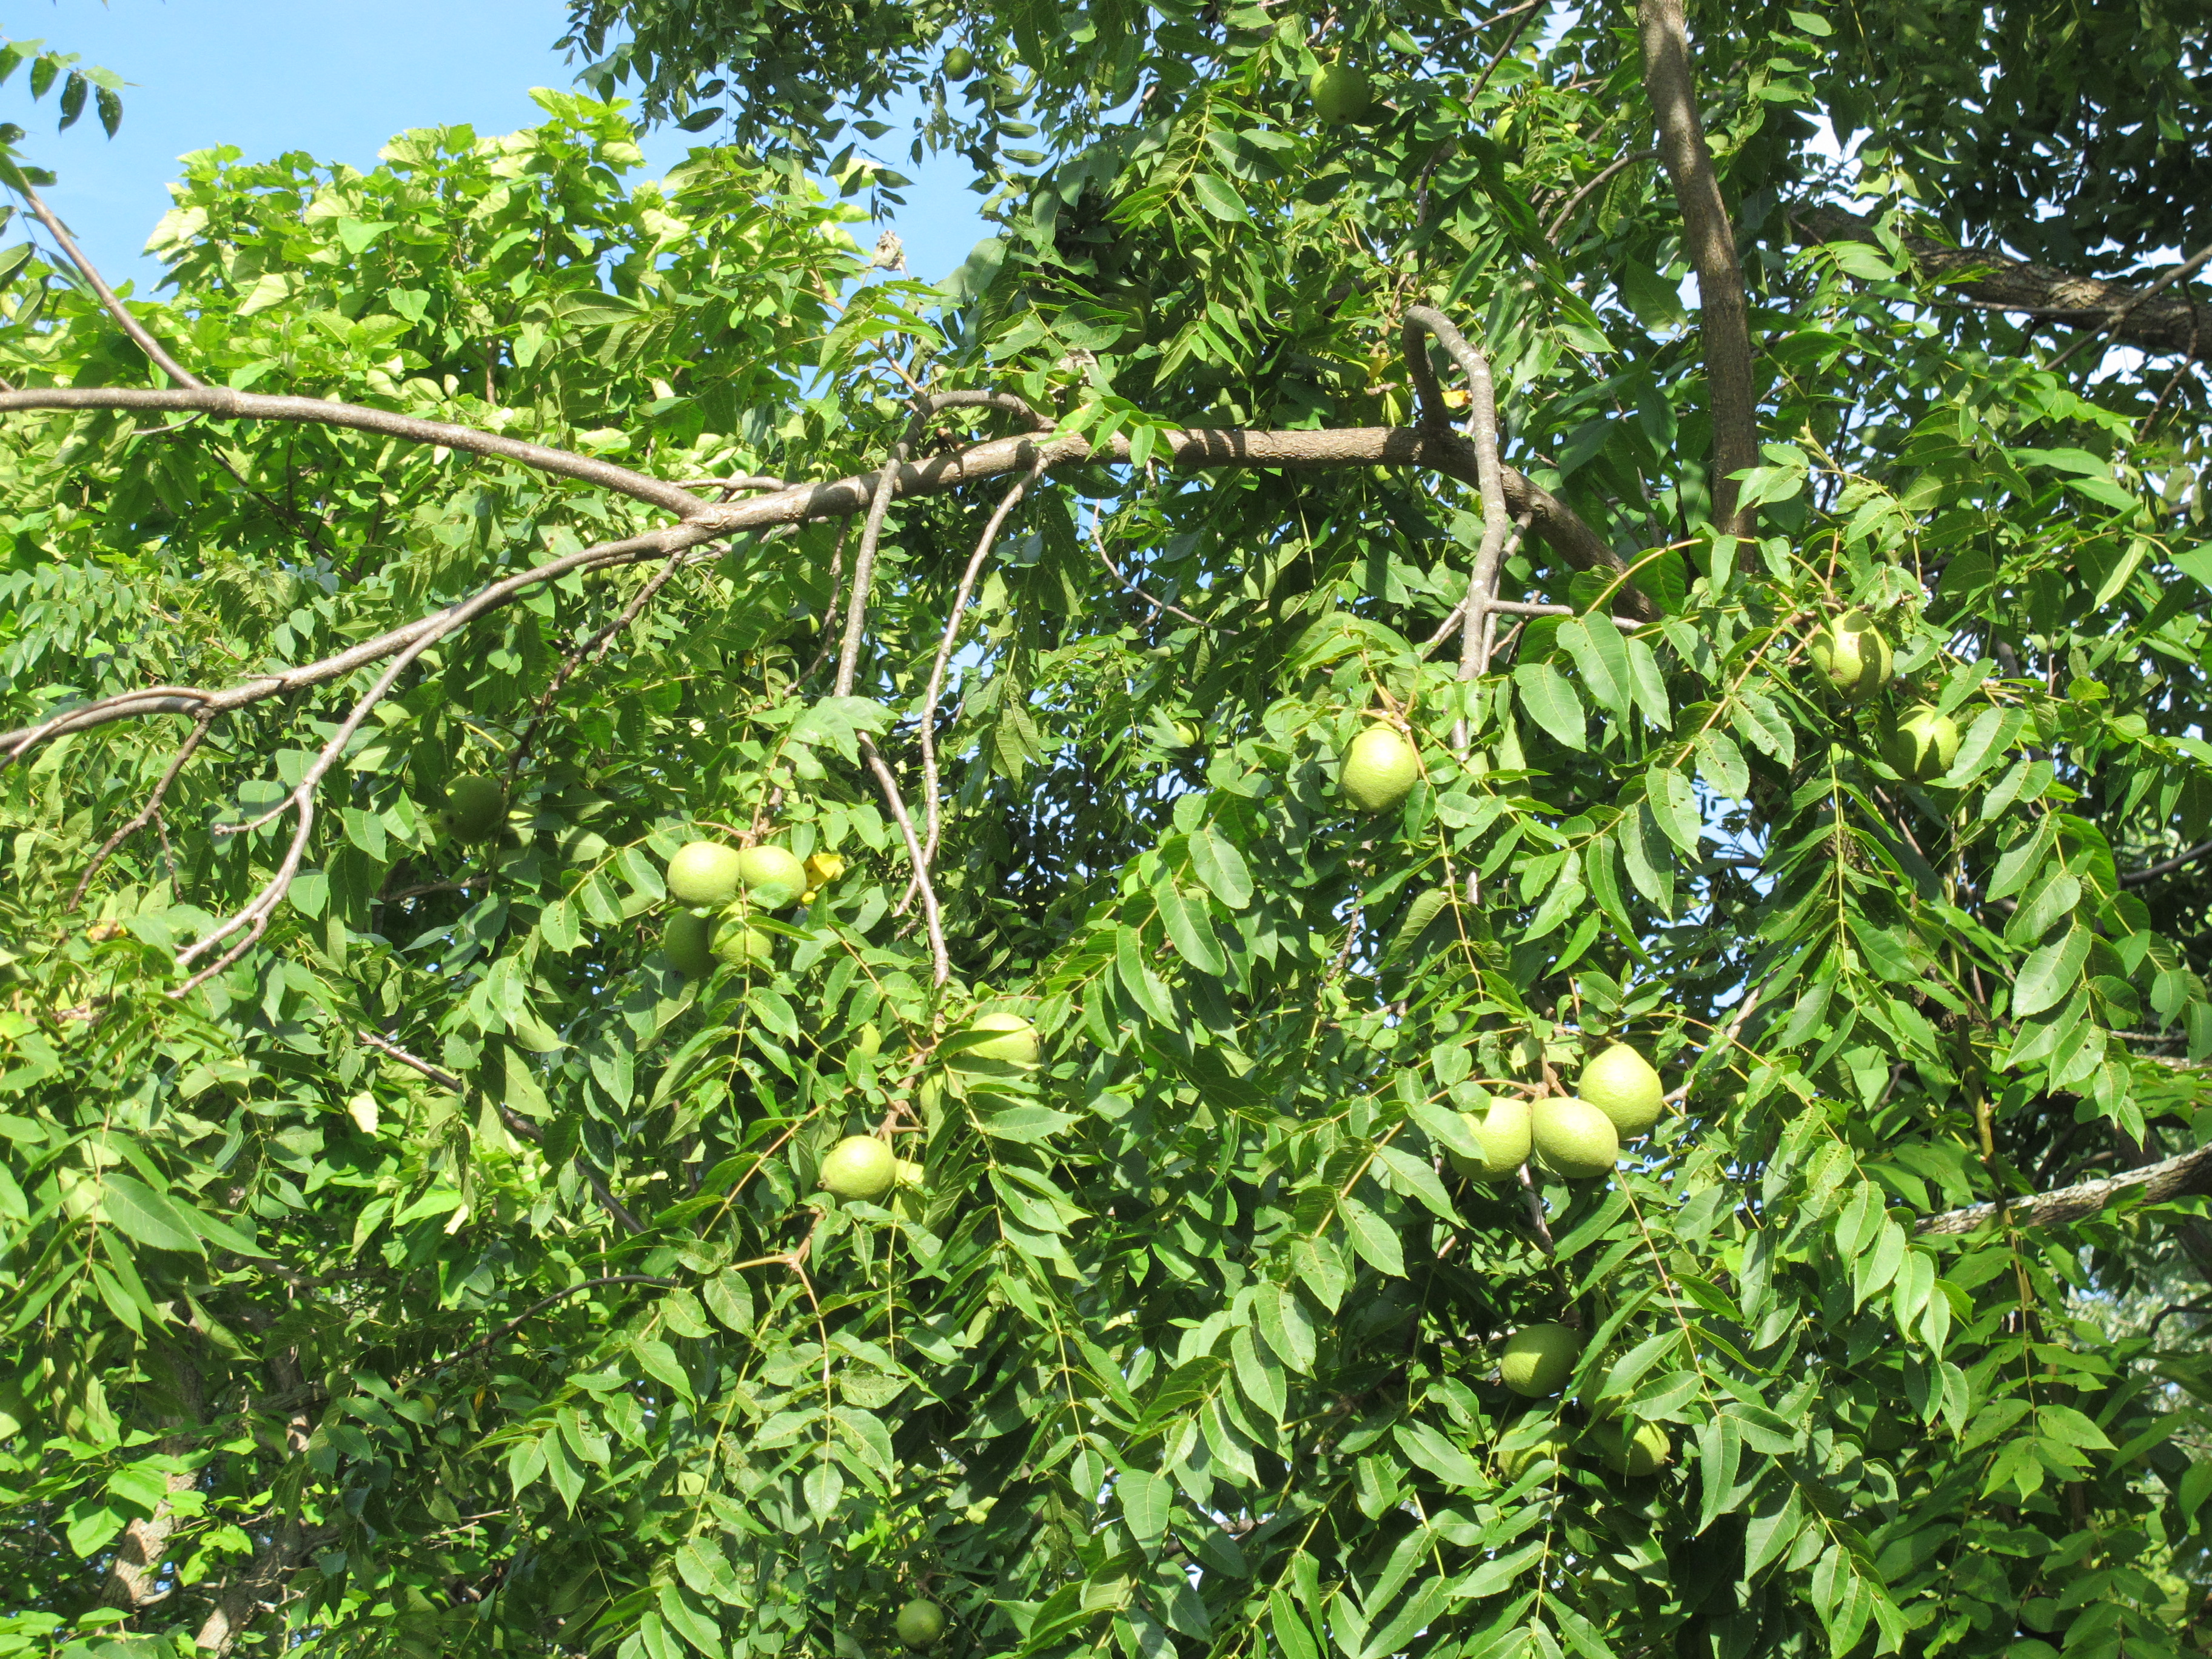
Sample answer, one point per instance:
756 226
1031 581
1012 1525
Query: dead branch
1724 317
146 814
1497 521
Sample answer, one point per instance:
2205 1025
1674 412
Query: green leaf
1674 802
1220 198
145 1216
1552 702
1221 867
2050 972
1147 1502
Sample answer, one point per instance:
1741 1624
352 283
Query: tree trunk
133 1577
1724 316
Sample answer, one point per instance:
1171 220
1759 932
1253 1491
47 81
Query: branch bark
133 1581
281 1551
1192 449
2169 321
2177 1177
1724 321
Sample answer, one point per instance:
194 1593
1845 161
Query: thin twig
1504 53
1536 1204
1559 219
544 1303
940 960
146 814
1007 502
2152 873
516 1124
584 654
1115 572
130 325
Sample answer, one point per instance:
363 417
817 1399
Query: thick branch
2177 1177
1724 321
2174 320
314 411
1193 449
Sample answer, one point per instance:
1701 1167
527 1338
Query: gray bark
2177 319
2176 1177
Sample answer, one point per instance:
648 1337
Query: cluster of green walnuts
1851 655
1618 1098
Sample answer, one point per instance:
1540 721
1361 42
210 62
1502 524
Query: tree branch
1725 320
997 521
2177 1177
2163 322
1194 449
138 332
315 412
521 1127
145 814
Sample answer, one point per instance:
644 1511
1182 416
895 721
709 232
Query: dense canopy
1462 882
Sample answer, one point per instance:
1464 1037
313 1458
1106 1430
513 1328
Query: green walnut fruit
1923 744
1640 1450
1380 766
1853 656
476 807
959 63
1513 1464
860 1166
1621 1083
1341 93
1015 1046
1573 1138
1503 1132
773 876
687 941
705 874
920 1624
742 946
908 1173
1540 1358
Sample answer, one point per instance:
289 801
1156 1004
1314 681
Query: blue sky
333 77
